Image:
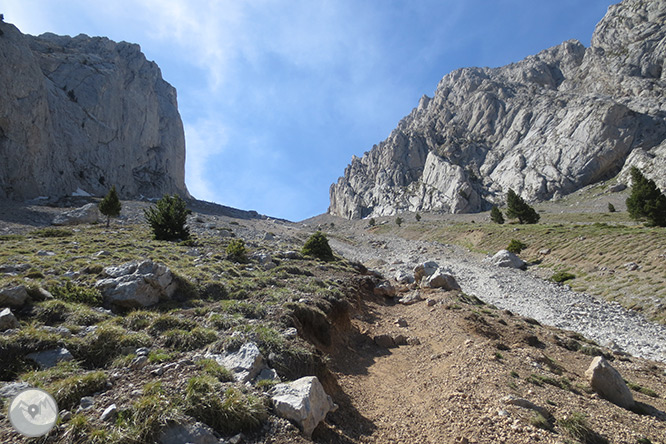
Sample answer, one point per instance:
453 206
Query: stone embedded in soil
137 284
303 401
8 320
110 413
49 358
245 364
194 433
441 279
13 297
504 258
411 298
609 384
87 214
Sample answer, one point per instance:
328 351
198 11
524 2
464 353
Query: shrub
317 246
71 292
236 251
53 232
562 276
646 202
110 205
496 215
517 208
611 208
189 340
516 246
398 220
168 217
372 222
417 217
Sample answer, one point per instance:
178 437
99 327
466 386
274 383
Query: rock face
86 113
608 383
546 126
303 401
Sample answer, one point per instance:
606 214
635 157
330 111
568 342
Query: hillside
447 368
545 127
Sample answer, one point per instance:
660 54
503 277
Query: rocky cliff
84 114
545 126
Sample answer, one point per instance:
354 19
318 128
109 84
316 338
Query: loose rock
137 284
87 214
608 383
8 320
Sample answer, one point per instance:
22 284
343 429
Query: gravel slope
521 292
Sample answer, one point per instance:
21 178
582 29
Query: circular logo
33 412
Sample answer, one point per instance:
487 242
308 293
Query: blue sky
276 96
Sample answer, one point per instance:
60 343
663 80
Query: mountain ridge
545 126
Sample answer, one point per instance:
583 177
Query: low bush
317 246
70 292
236 251
184 340
516 246
53 232
576 427
168 218
562 276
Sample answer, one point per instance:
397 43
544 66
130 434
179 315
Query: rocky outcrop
546 126
137 284
78 115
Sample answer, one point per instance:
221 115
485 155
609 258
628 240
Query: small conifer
110 206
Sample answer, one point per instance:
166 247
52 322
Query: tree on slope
110 205
646 201
517 208
496 215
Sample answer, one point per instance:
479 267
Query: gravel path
521 292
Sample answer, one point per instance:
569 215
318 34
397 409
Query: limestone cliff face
545 126
85 113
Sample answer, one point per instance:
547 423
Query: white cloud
205 139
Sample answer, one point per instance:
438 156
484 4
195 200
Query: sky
276 96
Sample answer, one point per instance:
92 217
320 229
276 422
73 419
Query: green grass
69 391
185 340
576 427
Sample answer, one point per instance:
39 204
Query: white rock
8 320
440 279
137 284
87 214
110 413
245 364
608 383
425 270
303 401
504 258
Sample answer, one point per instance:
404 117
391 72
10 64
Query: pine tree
168 217
646 202
496 215
110 205
317 246
517 208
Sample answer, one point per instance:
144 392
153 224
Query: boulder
109 414
303 401
245 364
385 289
14 297
13 388
8 320
608 383
425 269
384 341
49 358
411 298
137 284
504 258
440 279
87 214
403 277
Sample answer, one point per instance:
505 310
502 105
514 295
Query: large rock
245 364
425 270
608 383
8 320
303 401
87 214
546 126
137 284
78 115
504 258
441 279
14 297
49 358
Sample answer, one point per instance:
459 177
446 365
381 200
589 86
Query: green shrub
71 292
562 276
110 206
168 217
317 246
106 343
183 340
398 221
496 215
372 222
229 414
212 368
646 201
516 246
236 251
517 208
611 208
53 232
417 217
